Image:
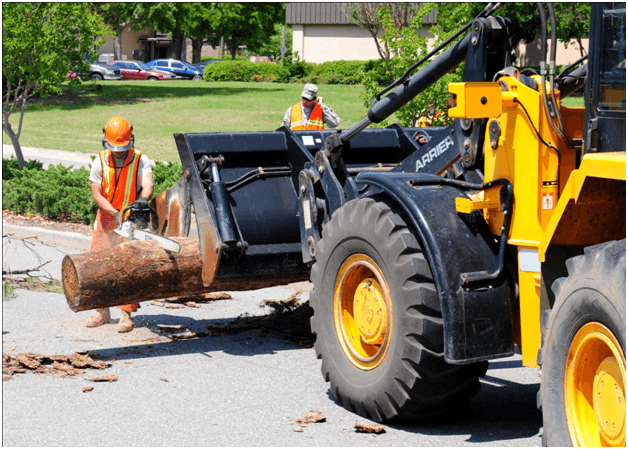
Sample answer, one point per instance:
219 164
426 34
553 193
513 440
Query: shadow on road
502 410
245 336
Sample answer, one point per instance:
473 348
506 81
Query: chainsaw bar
138 234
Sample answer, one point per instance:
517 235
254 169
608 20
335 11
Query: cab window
612 89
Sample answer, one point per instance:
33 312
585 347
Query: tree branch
25 271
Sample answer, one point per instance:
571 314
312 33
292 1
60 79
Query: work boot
125 324
102 316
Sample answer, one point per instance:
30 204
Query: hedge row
331 72
59 192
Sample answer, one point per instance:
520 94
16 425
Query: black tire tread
424 384
602 267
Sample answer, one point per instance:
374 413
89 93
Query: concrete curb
71 240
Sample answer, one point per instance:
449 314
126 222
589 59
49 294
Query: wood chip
298 429
314 416
157 303
191 304
87 389
218 295
165 380
369 428
175 306
104 379
170 328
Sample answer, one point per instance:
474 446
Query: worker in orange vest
120 176
310 112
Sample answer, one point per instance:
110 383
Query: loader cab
605 93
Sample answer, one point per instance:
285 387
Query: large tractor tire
583 358
377 318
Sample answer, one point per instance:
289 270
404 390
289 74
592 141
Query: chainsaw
135 226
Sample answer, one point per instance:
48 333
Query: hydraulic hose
552 67
387 106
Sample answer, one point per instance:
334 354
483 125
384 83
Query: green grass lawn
573 102
73 121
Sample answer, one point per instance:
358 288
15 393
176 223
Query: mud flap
476 318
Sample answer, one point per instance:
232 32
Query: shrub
166 175
53 193
338 72
59 192
9 166
246 71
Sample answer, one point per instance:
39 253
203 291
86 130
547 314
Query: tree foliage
572 19
272 46
117 15
249 24
166 17
366 15
407 47
40 43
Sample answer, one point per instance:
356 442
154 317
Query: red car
137 70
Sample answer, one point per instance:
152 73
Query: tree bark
141 270
117 44
197 45
176 47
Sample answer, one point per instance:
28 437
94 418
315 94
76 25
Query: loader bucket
244 189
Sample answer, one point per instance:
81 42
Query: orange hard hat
118 135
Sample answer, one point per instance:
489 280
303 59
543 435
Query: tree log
141 270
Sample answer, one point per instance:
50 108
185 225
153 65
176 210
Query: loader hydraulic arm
485 49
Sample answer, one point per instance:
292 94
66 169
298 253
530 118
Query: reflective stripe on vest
315 121
122 193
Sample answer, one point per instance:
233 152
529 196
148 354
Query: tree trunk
141 270
6 127
233 49
117 44
197 46
176 47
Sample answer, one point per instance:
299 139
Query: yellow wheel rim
362 311
595 388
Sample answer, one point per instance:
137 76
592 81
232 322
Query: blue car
181 69
201 65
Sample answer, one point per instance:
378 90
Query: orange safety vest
122 193
315 121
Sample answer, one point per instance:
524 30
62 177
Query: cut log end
70 282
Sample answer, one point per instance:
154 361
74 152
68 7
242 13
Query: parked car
201 65
137 70
97 72
181 69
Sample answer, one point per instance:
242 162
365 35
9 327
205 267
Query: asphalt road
244 389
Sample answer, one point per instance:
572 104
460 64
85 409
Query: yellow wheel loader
433 250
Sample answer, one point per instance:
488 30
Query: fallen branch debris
104 379
369 428
58 365
313 417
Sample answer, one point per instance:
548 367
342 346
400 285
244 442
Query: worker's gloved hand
116 216
141 204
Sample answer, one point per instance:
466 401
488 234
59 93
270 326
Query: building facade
323 32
